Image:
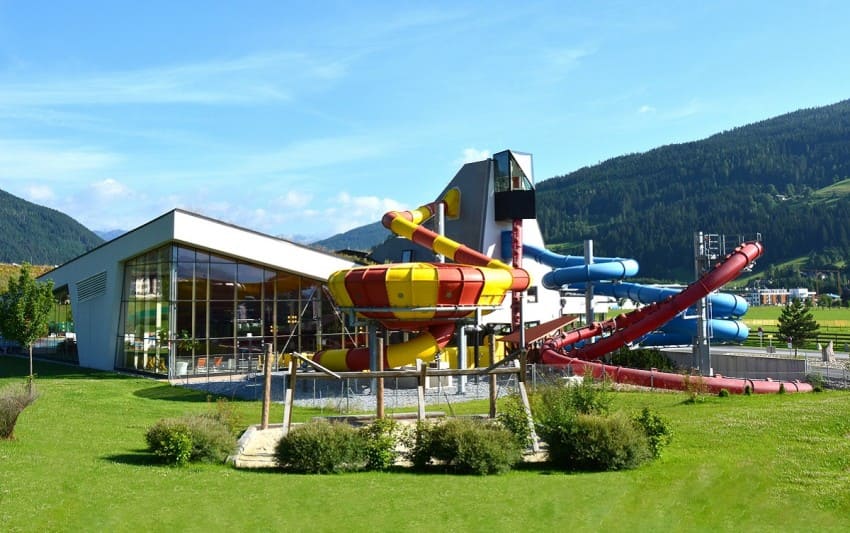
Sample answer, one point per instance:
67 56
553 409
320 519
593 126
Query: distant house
777 296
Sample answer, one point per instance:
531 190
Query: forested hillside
787 178
783 177
363 238
40 235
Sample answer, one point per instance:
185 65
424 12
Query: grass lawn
78 463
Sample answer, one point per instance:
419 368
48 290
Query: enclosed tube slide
626 328
680 330
426 297
572 271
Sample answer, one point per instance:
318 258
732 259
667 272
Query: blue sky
305 119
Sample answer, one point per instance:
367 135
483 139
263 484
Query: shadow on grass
18 366
174 394
137 458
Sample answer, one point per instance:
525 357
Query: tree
24 310
797 324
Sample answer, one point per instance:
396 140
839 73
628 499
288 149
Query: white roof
195 230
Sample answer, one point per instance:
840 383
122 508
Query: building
185 294
777 296
188 295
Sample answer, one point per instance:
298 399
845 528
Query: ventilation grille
92 287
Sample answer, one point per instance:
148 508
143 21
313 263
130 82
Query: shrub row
465 446
582 434
457 445
331 447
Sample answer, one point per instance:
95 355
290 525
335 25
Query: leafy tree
24 310
797 324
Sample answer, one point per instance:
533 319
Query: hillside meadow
79 463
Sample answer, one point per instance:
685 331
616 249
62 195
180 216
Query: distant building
777 296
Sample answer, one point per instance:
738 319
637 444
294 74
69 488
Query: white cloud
252 78
346 212
471 155
109 189
294 199
40 194
313 153
646 109
50 161
563 60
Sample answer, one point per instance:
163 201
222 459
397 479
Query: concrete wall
748 366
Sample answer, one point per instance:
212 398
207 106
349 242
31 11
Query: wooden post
493 395
380 381
267 386
423 376
289 397
527 405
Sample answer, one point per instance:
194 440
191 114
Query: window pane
221 319
222 281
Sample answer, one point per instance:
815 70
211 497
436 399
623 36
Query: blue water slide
572 269
681 329
722 305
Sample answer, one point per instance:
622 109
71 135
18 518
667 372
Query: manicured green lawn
759 463
821 314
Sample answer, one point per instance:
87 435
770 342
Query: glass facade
508 174
186 311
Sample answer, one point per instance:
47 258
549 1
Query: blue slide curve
572 271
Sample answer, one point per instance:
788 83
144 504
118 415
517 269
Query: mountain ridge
40 235
784 177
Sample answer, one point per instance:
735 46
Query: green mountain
786 178
363 238
40 235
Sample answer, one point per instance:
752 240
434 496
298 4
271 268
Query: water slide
423 297
572 271
625 329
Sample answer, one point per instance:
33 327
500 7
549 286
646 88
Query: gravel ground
351 394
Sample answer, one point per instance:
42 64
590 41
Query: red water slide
625 329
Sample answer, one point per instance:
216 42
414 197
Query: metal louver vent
91 287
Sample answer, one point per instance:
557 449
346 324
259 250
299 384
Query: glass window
224 312
222 279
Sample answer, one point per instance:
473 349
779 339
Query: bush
816 381
656 429
380 443
321 448
596 442
227 415
644 358
724 393
465 446
557 405
513 417
212 439
560 402
13 400
192 438
695 387
169 439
